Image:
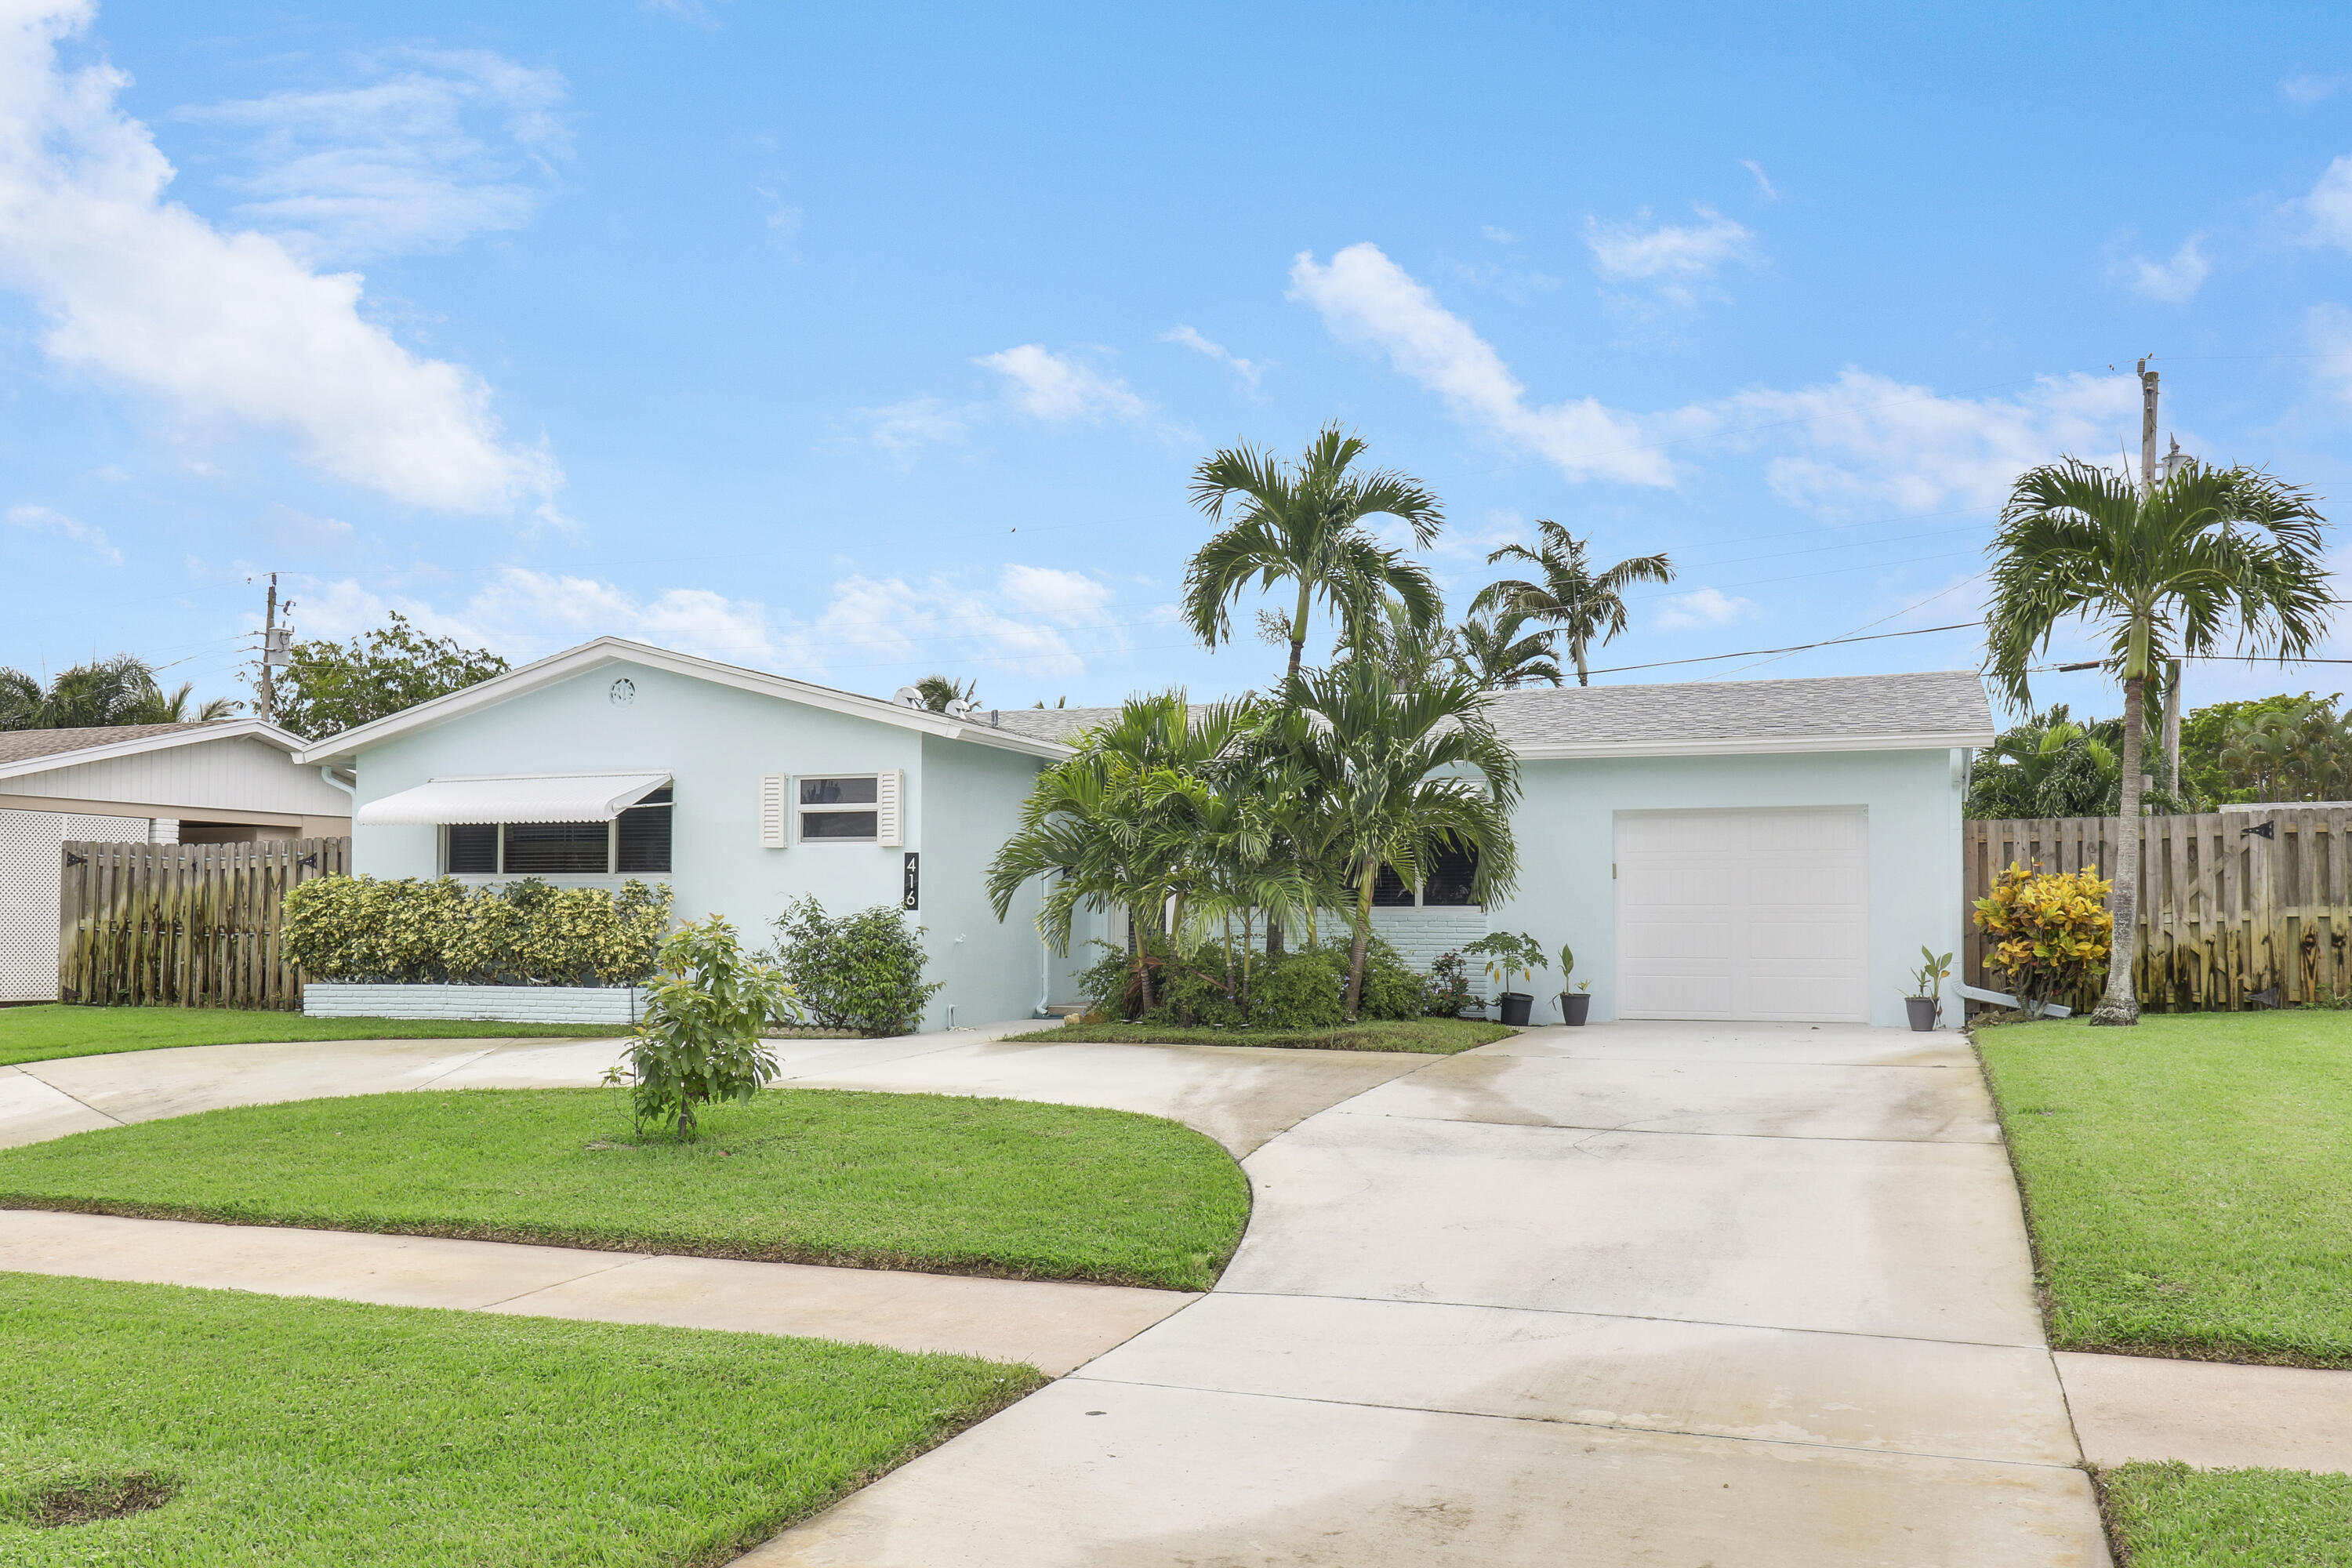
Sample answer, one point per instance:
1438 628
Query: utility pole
2147 487
274 653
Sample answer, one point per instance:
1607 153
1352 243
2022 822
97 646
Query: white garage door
1744 914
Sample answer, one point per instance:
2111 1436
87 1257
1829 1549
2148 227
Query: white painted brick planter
616 1004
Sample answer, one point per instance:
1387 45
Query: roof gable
605 652
43 750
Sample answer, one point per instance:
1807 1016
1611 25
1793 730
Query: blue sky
857 342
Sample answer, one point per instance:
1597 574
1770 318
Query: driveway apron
1675 1295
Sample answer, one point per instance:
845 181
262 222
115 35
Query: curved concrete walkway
1645 1294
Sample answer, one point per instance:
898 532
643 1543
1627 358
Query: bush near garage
862 973
1304 989
526 932
2051 933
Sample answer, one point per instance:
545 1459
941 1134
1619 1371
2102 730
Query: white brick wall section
1424 936
616 1004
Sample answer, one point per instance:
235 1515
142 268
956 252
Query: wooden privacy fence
187 925
2232 903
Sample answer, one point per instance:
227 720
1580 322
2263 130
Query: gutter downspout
1045 981
327 772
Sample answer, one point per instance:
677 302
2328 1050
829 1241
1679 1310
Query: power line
1751 653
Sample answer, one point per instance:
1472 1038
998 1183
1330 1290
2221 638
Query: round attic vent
623 691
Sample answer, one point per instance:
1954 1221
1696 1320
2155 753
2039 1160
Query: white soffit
512 798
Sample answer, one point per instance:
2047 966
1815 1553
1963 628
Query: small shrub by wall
862 972
526 932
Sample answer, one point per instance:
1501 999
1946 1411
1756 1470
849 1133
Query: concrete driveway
1681 1296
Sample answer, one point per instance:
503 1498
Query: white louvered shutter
889 787
775 817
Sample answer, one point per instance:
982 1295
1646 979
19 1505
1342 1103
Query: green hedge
524 932
1304 989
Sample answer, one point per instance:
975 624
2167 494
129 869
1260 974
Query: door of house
1762 914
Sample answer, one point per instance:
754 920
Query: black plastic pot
1574 1005
1517 1005
1923 1012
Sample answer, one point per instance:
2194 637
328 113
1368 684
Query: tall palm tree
1490 650
2164 570
1404 771
101 694
1304 524
1582 606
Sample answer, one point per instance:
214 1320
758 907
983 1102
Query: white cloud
694 11
1068 598
1703 607
525 614
283 528
2174 282
942 625
1365 298
43 519
2309 88
1862 439
914 423
1869 440
443 146
1218 352
1763 185
1624 254
2329 205
220 330
1058 390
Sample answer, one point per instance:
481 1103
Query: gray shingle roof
22 745
1933 705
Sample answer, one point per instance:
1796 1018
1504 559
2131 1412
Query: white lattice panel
31 844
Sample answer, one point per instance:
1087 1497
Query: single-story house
226 782
1771 849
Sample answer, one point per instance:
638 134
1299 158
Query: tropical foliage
525 932
938 690
103 693
1304 524
1583 606
2164 572
700 1040
332 686
2050 933
862 973
1500 655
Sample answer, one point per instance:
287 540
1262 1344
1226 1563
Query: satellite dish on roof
958 708
907 697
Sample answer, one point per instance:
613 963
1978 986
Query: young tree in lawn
1304 524
1581 605
332 686
2164 572
1404 769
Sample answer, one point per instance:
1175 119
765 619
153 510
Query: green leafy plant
699 1040
1508 954
1934 968
2050 933
1567 967
862 972
525 932
333 685
1445 992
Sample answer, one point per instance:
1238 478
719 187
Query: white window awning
513 797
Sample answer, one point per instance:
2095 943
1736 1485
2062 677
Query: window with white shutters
850 808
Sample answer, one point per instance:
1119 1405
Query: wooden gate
2232 903
183 925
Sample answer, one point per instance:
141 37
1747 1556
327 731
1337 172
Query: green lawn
1423 1037
323 1435
2169 1516
937 1183
2188 1182
49 1030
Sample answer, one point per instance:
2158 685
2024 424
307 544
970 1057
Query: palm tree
938 690
101 694
2164 570
1304 524
1404 770
1490 651
1581 606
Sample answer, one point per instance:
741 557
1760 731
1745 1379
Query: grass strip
1421 1036
313 1433
2188 1182
939 1183
47 1031
2171 1516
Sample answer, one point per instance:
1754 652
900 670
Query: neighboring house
229 782
742 791
1758 849
1752 850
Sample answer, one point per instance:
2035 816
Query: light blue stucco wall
961 798
1566 832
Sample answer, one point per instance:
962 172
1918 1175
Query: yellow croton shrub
2051 930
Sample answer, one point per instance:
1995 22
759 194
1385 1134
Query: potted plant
1925 1003
1507 955
1577 1005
